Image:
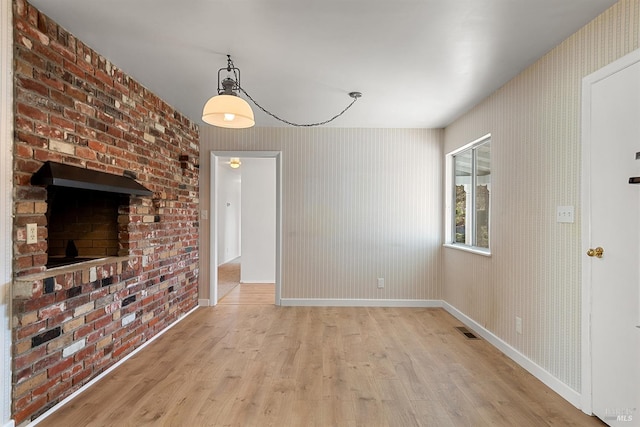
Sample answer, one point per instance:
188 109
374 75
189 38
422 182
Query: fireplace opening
82 224
87 212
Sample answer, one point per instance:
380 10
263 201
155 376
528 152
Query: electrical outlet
565 214
32 234
380 282
518 325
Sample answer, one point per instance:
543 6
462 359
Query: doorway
611 236
253 251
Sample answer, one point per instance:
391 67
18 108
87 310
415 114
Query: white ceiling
418 63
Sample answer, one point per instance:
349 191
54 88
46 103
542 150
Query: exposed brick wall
73 106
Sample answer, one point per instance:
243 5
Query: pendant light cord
355 98
354 95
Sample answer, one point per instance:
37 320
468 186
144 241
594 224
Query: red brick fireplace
135 266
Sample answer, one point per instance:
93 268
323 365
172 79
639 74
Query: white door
613 130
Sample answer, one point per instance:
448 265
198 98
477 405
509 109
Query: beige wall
534 270
357 204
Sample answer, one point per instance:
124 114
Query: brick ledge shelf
23 286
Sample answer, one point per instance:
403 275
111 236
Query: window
470 193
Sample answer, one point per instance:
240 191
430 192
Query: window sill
472 249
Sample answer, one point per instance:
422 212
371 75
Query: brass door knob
597 252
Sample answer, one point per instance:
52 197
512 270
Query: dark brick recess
73 106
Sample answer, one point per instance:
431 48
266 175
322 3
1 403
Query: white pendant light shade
228 111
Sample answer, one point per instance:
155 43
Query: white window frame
450 202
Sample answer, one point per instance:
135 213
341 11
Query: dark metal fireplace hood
61 175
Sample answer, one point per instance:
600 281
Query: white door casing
213 218
611 220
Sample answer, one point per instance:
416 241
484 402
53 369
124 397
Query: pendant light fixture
228 110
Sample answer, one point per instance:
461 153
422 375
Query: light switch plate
565 214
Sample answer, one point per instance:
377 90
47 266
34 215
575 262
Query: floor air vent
467 333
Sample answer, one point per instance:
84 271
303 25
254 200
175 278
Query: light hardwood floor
264 365
228 277
254 293
231 291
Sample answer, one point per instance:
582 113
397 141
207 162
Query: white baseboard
102 375
534 369
313 302
204 302
9 423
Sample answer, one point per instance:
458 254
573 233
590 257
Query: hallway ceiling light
235 163
228 110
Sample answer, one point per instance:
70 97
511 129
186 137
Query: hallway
231 291
228 277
